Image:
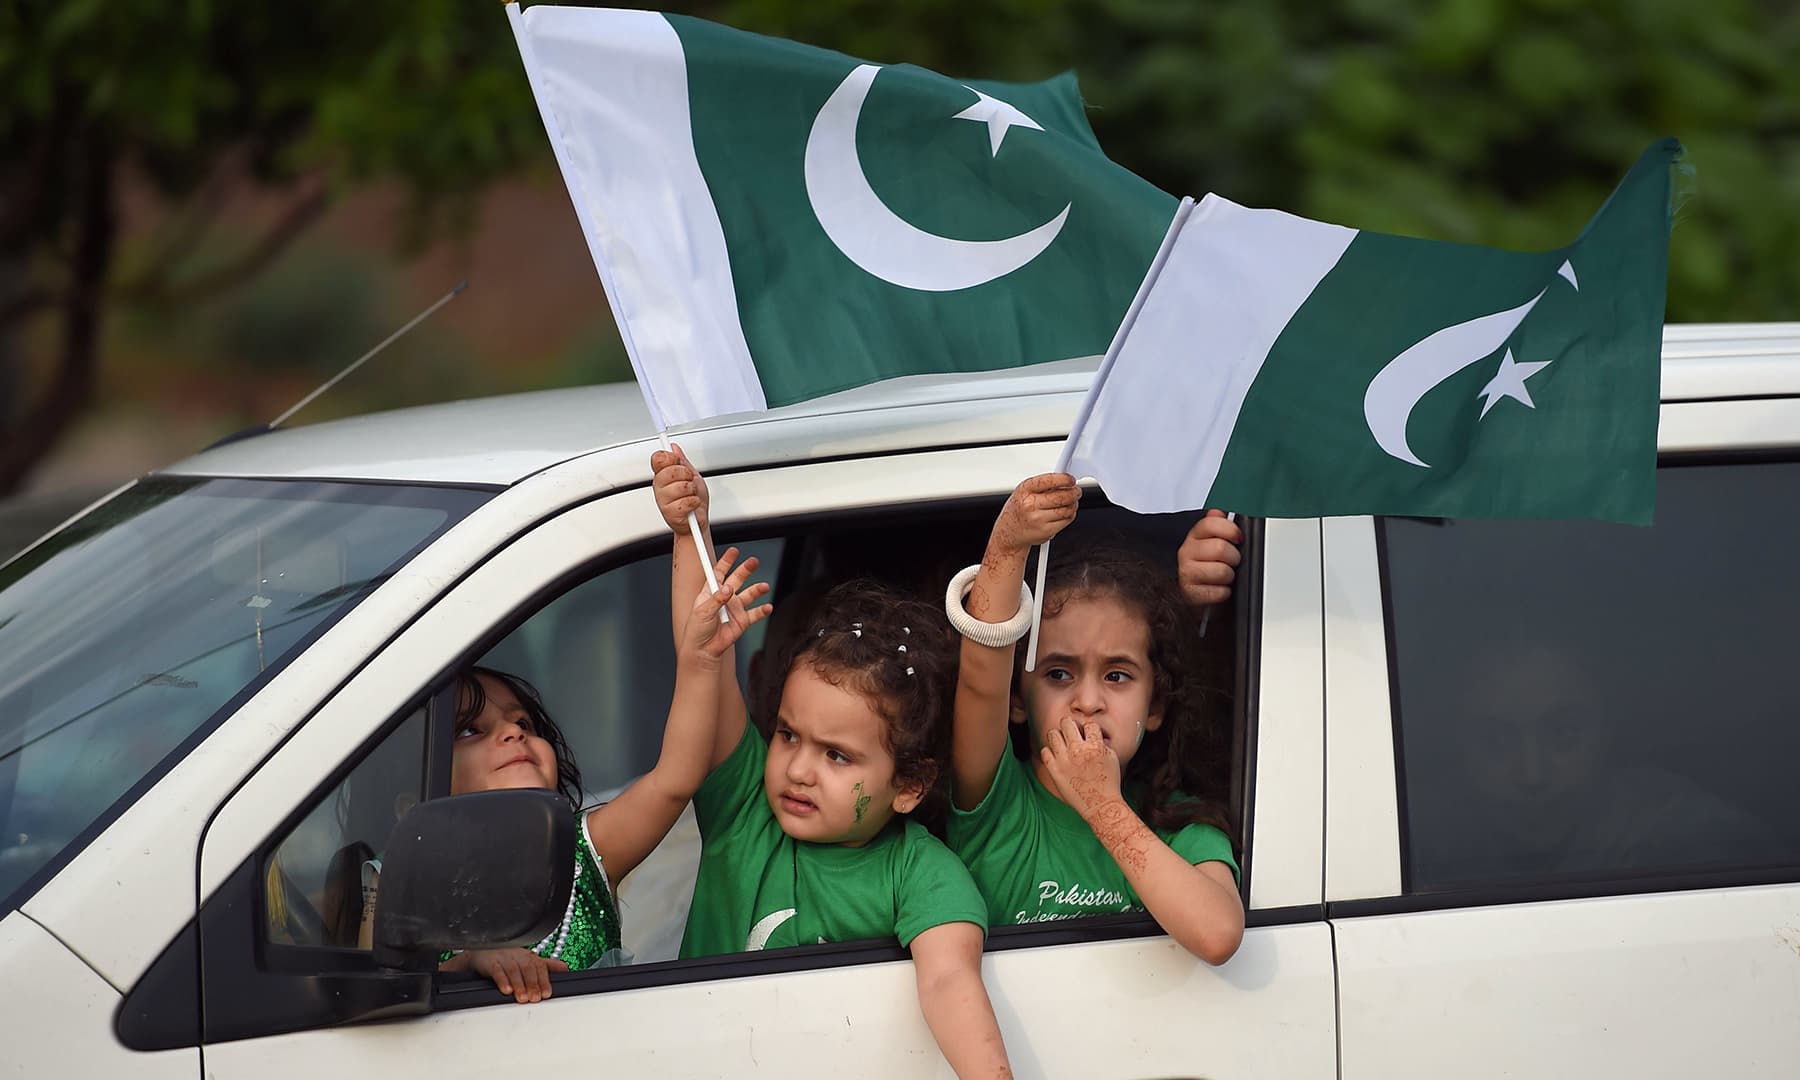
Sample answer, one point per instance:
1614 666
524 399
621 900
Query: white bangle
995 635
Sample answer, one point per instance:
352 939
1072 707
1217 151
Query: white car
1516 798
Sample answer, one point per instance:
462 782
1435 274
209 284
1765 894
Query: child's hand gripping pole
1039 508
1206 564
693 524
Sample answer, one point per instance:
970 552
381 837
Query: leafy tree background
1502 122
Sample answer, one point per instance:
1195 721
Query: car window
599 656
124 635
317 881
1578 701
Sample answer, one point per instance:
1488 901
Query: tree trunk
72 385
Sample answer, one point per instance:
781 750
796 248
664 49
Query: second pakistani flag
1289 368
774 222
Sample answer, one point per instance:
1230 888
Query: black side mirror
478 871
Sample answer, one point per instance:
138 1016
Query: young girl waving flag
1105 816
804 837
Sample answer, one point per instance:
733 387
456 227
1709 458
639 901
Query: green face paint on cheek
862 802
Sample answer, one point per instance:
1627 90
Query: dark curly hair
471 698
1181 767
903 662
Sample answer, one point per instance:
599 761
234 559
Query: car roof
499 441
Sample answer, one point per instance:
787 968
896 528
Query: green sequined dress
588 935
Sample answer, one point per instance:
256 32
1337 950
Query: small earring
1140 738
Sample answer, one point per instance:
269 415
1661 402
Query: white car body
1341 973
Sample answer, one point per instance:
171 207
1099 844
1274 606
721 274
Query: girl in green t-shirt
804 835
1112 812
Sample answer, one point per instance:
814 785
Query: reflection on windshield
122 636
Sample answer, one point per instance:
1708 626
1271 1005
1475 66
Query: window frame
634 541
1596 885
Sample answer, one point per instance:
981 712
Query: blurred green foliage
428 91
190 98
1500 122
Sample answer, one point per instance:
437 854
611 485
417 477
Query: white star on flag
1509 381
998 116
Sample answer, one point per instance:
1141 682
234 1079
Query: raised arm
1037 510
947 964
628 828
1199 905
681 490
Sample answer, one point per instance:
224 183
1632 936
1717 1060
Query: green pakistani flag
773 222
1289 368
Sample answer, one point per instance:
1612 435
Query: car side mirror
480 871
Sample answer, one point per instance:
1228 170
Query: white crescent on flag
880 241
1398 387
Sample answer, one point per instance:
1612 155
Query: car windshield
125 634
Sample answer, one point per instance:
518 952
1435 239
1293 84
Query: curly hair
897 652
1181 767
471 698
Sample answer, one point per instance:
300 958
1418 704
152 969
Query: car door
1097 998
1563 833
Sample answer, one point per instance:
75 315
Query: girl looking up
1108 814
804 836
505 739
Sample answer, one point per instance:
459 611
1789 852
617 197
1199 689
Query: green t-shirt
759 888
1036 860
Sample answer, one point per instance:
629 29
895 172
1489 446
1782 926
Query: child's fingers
737 577
540 979
723 567
1215 524
1090 732
1047 482
1210 549
753 592
525 978
507 977
671 484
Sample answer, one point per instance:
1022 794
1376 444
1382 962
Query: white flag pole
1087 406
551 128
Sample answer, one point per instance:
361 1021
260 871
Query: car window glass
316 882
122 636
1587 701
